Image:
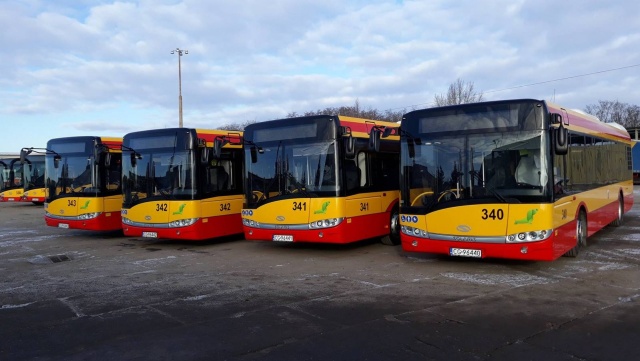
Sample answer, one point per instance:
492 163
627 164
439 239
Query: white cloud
67 61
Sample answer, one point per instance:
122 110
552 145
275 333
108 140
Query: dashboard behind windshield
287 167
496 167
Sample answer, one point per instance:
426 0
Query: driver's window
501 169
362 166
218 176
530 169
114 173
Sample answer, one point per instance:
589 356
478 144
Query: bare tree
607 111
602 110
237 126
356 111
632 115
460 92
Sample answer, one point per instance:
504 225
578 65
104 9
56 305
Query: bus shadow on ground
152 244
323 246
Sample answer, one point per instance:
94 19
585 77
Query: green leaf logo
528 219
323 210
179 211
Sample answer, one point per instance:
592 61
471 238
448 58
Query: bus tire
393 238
581 235
618 221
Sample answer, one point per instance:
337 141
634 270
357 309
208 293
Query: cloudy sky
104 68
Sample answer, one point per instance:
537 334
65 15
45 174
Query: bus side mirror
350 147
556 118
97 149
374 139
107 159
560 140
218 143
389 131
254 154
56 161
411 148
134 159
24 152
204 156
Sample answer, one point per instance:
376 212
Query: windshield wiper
301 190
498 195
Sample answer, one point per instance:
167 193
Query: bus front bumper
351 229
202 229
547 250
105 221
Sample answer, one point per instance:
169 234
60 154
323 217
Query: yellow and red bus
4 174
176 185
12 180
82 183
328 179
33 177
517 179
635 152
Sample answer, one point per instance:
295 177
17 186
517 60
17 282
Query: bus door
363 205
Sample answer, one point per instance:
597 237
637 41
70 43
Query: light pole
180 53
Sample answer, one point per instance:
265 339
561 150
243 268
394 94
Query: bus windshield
298 168
72 175
34 173
474 155
160 174
4 174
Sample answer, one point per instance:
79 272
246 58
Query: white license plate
282 238
465 252
63 225
150 234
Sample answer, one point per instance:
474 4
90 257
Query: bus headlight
86 216
530 236
250 223
414 231
325 223
182 222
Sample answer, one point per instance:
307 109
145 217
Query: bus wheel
393 238
581 235
618 221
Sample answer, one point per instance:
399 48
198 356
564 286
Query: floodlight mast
180 52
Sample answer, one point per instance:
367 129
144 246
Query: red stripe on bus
350 230
109 221
215 227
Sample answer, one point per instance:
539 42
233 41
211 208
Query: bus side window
114 173
219 178
382 171
363 169
560 174
352 175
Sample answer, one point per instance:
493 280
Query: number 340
492 214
